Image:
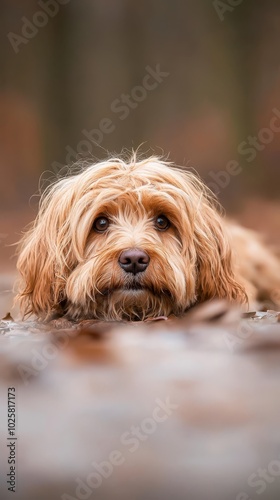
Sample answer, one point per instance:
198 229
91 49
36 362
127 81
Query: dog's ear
206 242
214 258
44 256
36 266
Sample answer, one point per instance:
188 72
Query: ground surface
165 409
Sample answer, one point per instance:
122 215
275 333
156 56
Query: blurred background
198 80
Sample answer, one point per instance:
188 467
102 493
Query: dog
138 239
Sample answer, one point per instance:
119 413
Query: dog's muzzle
134 260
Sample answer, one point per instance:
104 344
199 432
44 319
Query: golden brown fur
256 266
68 268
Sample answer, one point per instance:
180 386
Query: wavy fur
67 268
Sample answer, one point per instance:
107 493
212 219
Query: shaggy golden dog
128 241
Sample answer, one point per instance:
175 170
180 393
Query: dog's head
125 241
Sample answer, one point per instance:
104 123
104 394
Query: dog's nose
134 260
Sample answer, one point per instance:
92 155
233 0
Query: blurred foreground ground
183 409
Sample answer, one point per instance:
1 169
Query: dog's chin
130 296
131 289
126 303
136 302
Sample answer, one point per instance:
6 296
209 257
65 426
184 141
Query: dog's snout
134 260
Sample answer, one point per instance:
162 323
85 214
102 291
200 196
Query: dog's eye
101 224
162 223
